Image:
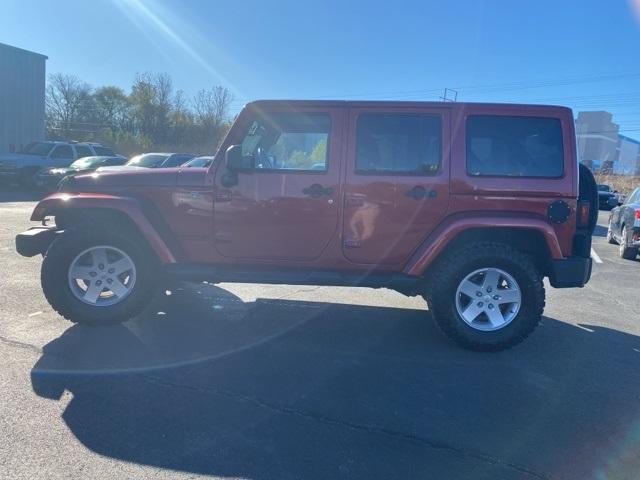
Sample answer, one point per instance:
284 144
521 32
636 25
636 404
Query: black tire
628 253
450 271
588 191
72 242
610 237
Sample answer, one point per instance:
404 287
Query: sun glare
150 18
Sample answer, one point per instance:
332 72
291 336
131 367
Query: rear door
285 206
61 156
83 151
397 181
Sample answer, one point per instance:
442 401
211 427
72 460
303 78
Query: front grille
7 166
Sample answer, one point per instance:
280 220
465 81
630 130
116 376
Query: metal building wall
22 84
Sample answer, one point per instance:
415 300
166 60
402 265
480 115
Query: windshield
38 148
148 160
87 162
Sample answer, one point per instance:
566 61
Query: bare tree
69 106
151 116
113 109
211 108
151 102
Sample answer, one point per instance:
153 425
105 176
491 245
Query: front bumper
47 181
35 240
8 174
570 272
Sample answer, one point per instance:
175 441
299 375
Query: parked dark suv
468 205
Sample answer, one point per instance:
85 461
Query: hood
115 177
121 168
19 158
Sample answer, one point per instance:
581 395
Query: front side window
514 146
38 148
398 143
288 141
62 151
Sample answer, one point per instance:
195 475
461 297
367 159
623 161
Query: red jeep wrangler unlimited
469 205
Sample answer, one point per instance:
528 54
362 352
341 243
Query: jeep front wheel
98 277
486 296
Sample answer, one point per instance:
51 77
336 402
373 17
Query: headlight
57 171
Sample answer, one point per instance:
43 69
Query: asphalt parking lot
282 382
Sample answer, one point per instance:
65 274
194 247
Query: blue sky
581 53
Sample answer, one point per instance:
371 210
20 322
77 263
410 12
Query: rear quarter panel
517 196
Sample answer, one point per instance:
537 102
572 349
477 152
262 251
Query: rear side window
514 146
103 151
398 143
83 151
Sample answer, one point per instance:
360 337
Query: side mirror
234 160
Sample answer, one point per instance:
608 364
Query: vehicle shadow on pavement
207 384
600 231
10 194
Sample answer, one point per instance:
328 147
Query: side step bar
406 284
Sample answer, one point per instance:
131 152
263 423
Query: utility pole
446 95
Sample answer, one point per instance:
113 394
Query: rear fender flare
435 244
59 203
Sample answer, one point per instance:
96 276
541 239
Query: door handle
316 190
419 192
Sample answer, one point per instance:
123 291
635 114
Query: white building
628 156
22 83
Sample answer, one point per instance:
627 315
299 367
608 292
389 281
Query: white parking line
595 256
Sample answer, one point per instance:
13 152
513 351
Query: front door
285 204
397 182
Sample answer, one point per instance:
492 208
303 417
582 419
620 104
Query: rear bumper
570 272
35 240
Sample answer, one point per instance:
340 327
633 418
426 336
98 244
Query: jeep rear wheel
98 277
486 296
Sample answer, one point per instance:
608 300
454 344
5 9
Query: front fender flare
440 238
61 202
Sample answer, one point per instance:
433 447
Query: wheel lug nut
478 294
109 280
101 266
489 289
93 274
496 297
98 282
111 270
491 305
480 304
